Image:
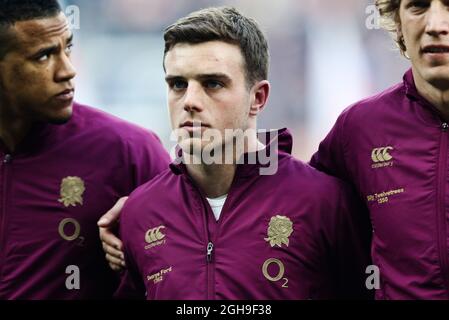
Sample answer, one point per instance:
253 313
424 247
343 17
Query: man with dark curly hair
393 147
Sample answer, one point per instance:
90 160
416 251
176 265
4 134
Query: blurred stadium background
324 58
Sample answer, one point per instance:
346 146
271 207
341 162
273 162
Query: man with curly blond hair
393 147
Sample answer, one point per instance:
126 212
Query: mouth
193 125
435 49
66 95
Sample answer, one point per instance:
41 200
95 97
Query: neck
438 97
215 180
12 129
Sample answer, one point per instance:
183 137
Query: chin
59 121
61 118
438 78
191 146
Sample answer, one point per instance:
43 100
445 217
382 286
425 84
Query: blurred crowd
324 58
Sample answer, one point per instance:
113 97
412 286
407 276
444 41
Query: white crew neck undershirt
217 205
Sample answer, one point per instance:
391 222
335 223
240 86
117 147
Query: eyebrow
219 76
51 49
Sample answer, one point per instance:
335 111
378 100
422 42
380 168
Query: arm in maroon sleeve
131 287
147 158
352 231
131 284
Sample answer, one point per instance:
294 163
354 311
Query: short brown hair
224 24
389 14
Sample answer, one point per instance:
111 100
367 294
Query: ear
259 93
400 40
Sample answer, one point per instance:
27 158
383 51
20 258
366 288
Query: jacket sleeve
352 241
146 158
131 285
130 288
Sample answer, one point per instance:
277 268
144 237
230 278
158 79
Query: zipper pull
210 249
444 126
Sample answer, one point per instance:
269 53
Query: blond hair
389 15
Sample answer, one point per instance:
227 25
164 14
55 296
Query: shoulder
319 188
109 127
374 105
150 195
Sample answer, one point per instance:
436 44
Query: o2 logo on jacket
71 235
277 277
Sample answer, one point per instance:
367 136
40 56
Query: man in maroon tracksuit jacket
61 164
231 230
393 148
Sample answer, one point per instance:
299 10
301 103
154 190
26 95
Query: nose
193 98
65 70
437 19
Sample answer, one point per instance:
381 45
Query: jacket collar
412 93
41 134
32 142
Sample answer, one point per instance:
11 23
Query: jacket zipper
210 270
6 160
441 213
209 261
210 245
210 242
209 249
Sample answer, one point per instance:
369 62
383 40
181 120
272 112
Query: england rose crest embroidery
72 189
279 231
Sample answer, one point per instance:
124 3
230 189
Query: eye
69 49
43 57
178 85
213 84
418 4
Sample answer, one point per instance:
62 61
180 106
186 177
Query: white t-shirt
217 205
